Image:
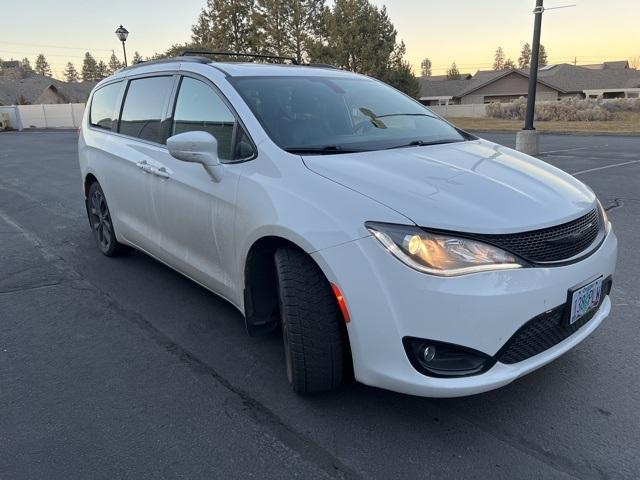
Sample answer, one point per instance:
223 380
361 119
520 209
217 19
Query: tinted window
342 113
103 105
144 106
200 108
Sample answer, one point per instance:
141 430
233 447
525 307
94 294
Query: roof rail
321 65
144 63
188 53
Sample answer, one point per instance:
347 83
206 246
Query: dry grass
623 123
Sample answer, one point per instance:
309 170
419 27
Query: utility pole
527 139
533 69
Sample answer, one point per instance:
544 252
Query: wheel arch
89 180
260 287
260 283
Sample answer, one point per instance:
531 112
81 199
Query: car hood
475 186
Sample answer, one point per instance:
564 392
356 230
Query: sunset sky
467 31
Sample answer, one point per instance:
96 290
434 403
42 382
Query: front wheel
101 223
312 327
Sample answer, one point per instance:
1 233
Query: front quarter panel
278 196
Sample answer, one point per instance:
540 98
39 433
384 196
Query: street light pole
122 34
124 52
533 69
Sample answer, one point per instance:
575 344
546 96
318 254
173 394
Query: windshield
339 115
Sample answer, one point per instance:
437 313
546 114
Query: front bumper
388 301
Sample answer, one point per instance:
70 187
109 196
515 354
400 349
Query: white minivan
379 238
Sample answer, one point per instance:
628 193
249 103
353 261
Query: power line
16 52
56 46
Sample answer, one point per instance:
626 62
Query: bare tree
425 67
498 59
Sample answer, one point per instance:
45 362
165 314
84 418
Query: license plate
585 299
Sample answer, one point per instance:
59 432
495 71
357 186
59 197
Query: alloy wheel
101 220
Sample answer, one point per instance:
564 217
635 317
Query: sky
464 31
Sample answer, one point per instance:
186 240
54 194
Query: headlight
440 254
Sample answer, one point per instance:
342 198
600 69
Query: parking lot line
571 149
589 170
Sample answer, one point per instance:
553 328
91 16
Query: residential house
610 80
36 89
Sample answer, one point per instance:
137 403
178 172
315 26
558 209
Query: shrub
622 105
569 109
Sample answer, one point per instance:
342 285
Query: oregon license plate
585 299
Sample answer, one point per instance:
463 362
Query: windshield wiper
406 115
422 143
325 150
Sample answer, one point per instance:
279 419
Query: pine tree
114 64
102 71
425 67
498 59
289 28
524 61
137 58
360 37
89 66
453 73
42 66
542 59
26 65
226 25
70 73
363 43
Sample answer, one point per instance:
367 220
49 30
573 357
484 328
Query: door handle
143 164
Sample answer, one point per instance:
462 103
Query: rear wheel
312 327
101 223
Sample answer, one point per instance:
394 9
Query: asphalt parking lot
122 368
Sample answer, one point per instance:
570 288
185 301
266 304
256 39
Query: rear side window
103 106
142 113
200 108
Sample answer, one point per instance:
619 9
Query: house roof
441 78
460 88
573 78
614 64
31 87
441 88
565 78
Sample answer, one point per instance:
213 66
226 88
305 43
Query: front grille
544 331
551 244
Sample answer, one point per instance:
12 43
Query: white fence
470 110
67 115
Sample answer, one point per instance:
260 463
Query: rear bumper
388 301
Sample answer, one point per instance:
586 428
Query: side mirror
197 147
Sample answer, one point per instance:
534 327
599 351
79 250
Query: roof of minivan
247 69
239 69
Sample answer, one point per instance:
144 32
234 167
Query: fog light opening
440 359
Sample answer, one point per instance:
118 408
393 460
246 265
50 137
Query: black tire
312 324
101 224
